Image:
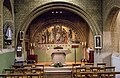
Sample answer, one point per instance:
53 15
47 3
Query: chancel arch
72 17
40 30
61 5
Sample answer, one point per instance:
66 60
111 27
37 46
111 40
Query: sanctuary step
58 72
58 75
58 69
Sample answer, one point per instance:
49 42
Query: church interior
60 38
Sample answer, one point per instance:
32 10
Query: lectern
75 46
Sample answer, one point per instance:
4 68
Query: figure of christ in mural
58 35
64 36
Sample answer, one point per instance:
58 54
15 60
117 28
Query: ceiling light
60 12
52 12
56 11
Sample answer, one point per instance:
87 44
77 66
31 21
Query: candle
85 43
82 43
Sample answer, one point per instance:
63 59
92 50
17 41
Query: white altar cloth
58 55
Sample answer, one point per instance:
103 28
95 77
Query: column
1 24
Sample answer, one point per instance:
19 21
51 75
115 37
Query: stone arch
112 30
59 5
39 10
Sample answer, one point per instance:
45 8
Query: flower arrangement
58 65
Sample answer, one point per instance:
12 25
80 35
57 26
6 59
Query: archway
60 5
89 23
111 29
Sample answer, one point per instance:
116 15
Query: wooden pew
101 65
74 69
11 75
42 69
99 74
78 72
89 64
33 75
9 70
20 75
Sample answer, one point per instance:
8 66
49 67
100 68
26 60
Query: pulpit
58 55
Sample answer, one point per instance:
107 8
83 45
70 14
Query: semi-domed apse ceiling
58 26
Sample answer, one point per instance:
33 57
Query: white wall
115 61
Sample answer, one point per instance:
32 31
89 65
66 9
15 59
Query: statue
8 34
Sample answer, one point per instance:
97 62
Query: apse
57 27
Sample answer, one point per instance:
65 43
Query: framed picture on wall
21 35
98 41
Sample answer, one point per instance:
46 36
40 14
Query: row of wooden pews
88 70
27 71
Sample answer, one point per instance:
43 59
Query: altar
58 55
